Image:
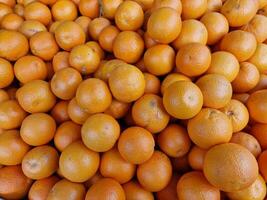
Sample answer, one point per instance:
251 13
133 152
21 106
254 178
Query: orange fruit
13 45
30 27
247 78
262 84
36 96
149 42
84 22
10 3
76 113
67 133
136 145
11 21
196 158
171 78
97 176
29 68
238 167
107 37
214 5
64 10
242 97
257 106
127 83
152 85
100 132
164 20
13 183
78 163
3 95
93 95
133 191
96 47
175 4
183 99
60 112
258 131
11 114
6 73
96 27
258 58
123 41
103 188
169 192
117 109
262 164
67 190
89 8
174 141
53 26
210 127
19 9
193 9
193 59
38 11
4 10
109 8
240 43
155 174
193 31
114 166
12 148
40 162
61 60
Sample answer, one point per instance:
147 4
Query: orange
96 27
30 27
69 34
169 192
247 78
257 106
84 59
4 10
97 176
43 44
103 188
164 20
114 166
159 59
67 190
136 145
209 85
11 114
152 85
242 97
149 42
19 9
36 96
67 133
53 26
61 60
109 8
117 109
262 84
225 64
41 188
100 132
127 83
10 3
258 58
13 183
38 129
175 4
193 31
193 9
60 112
38 11
96 47
174 141
238 167
239 13
3 95
40 162
84 22
155 174
258 131
129 16
193 59
77 163
134 191
6 73
13 45
29 68
64 10
171 78
76 113
107 37
11 22
214 5
210 127
89 8
262 3
262 164
240 43
128 46
196 158
148 112
93 95
12 148
183 99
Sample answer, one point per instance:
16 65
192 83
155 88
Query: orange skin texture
242 97
149 42
247 78
259 132
29 27
89 8
64 10
240 43
237 169
175 4
19 9
169 192
114 166
107 37
12 148
262 84
148 112
93 179
193 59
100 132
3 95
11 114
96 47
84 22
196 158
60 112
11 22
210 127
164 20
76 113
121 43
44 45
4 10
214 5
61 60
77 163
193 185
174 141
117 109
183 99
54 25
6 73
96 26
10 3
105 188
14 184
13 45
40 162
136 145
38 11
41 188
262 164
133 190
155 174
152 84
193 9
193 31
67 190
258 58
110 7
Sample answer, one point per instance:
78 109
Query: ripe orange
133 191
117 109
109 8
64 10
242 97
11 21
96 27
6 73
10 3
38 11
4 10
89 8
258 131
97 176
171 78
107 37
175 4
258 58
193 9
84 22
262 164
60 112
3 95
152 85
214 5
30 27
196 158
96 47
61 60
262 84
169 192
19 9
76 113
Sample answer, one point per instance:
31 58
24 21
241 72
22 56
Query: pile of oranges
133 100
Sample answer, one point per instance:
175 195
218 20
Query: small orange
11 21
6 73
84 22
242 97
61 60
97 176
53 26
175 4
3 95
64 10
262 84
149 42
258 58
214 5
10 3
152 84
171 78
4 10
107 37
38 11
89 8
96 27
109 8
76 113
145 4
169 192
196 158
60 112
97 48
262 164
117 109
193 9
133 191
19 9
30 27
259 132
